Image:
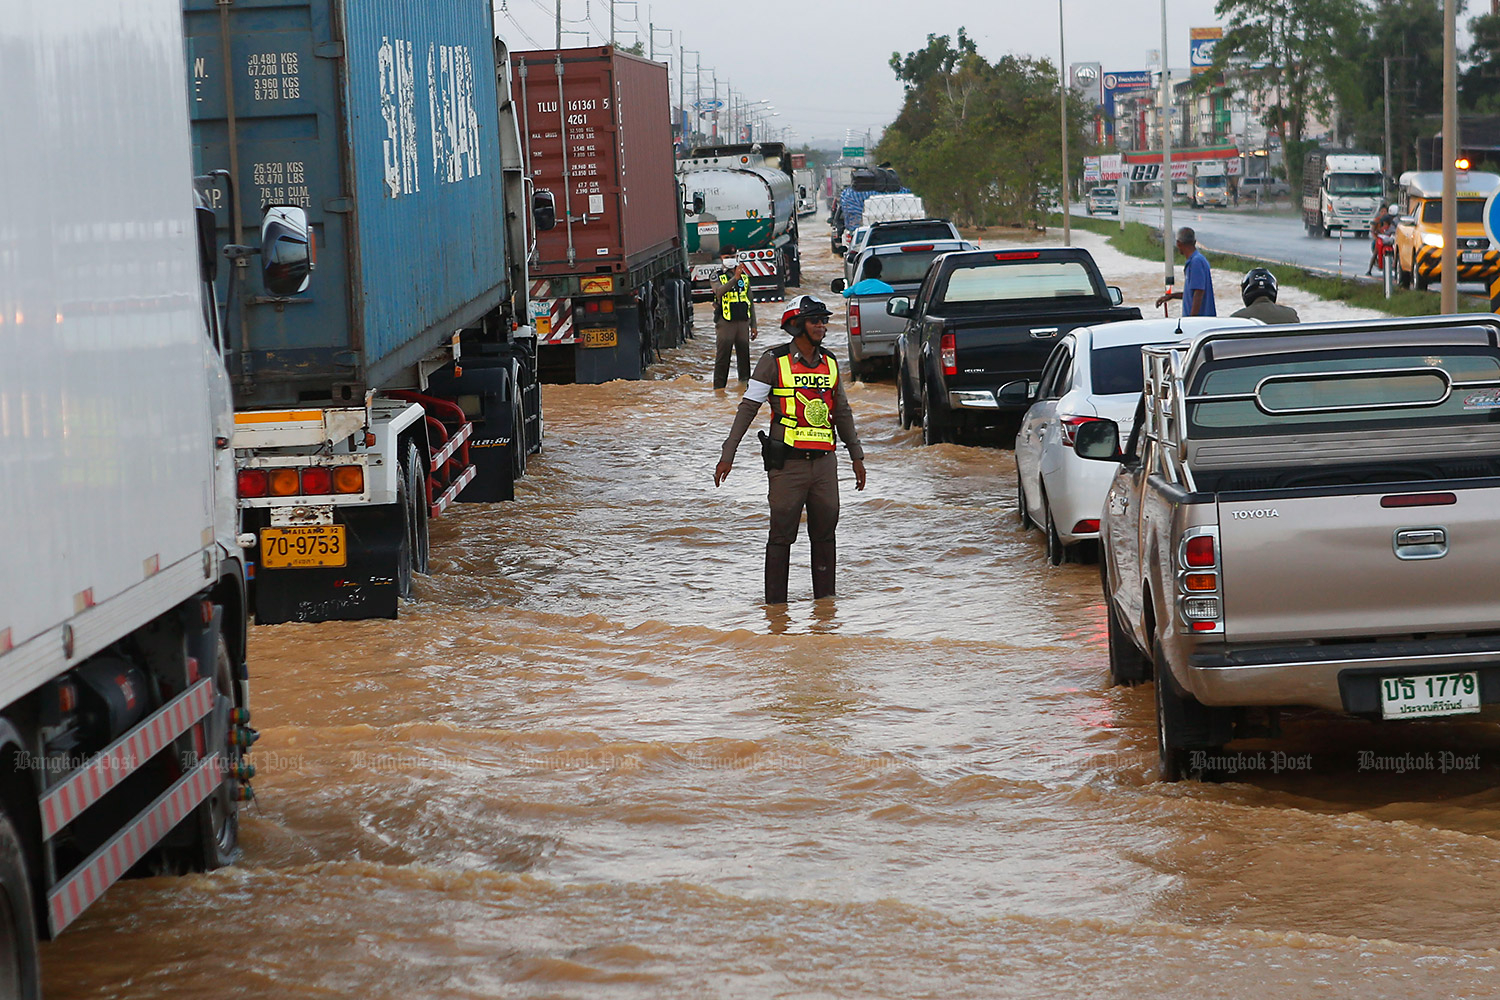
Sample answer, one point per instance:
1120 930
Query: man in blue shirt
870 284
1197 293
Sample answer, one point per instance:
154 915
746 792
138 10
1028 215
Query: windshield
905 267
1102 193
1393 387
1366 184
886 235
1211 182
1116 370
1007 281
1469 210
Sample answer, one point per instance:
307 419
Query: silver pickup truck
873 331
1306 516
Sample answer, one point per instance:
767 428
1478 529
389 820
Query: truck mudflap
75 891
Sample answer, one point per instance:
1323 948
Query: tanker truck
741 197
400 375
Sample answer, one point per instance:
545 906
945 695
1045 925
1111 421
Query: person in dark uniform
807 405
734 318
1258 289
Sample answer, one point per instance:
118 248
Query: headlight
1432 240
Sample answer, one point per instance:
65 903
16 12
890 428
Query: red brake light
949 350
1204 626
1199 551
916 247
1419 500
1070 427
854 319
591 305
254 483
1018 255
317 480
1084 527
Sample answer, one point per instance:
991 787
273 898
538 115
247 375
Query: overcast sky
829 73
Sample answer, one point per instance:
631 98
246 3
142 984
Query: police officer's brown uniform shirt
758 391
1267 311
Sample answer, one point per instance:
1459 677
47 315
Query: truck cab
1419 228
1210 186
1341 193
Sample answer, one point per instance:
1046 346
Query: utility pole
1168 240
559 24
612 23
1062 107
651 48
1390 165
716 103
1450 155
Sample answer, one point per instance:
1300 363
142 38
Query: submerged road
587 763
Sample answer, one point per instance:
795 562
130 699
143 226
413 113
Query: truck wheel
934 428
20 965
218 815
1128 666
405 549
416 491
903 399
1185 729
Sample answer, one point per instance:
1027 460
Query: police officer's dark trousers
732 336
811 484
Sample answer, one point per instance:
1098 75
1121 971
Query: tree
979 141
1479 85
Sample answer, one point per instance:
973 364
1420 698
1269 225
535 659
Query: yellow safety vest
739 293
804 400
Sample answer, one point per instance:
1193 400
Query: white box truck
123 687
1210 187
1341 192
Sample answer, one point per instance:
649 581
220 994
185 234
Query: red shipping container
619 212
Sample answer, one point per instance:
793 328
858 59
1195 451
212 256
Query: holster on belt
772 451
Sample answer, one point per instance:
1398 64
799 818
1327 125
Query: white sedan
1093 373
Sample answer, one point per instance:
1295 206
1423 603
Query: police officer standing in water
808 404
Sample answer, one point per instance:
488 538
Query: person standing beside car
734 319
1197 293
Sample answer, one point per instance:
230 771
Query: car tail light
254 483
285 482
349 479
1198 551
949 350
1070 428
1200 581
317 480
854 319
915 247
1085 527
1018 255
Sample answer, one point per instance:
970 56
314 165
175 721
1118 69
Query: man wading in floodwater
808 403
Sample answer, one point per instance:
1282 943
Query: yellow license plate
304 547
600 337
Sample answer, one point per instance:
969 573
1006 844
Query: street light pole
1062 105
1450 156
1167 235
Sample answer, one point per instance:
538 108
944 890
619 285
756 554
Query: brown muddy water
586 763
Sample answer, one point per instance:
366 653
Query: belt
807 454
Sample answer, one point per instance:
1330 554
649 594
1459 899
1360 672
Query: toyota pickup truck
980 328
1305 516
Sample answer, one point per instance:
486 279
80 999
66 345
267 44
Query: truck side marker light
1419 500
6 643
151 565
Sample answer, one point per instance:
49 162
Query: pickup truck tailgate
989 352
1354 565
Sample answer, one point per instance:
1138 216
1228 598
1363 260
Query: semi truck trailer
400 375
609 284
124 691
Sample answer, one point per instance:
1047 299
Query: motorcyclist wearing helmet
808 405
1259 289
1384 224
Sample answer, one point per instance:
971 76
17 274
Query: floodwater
587 763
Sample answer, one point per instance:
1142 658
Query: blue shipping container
381 119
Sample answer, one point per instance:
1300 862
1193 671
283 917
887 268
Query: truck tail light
949 350
915 247
254 483
1199 551
285 482
1200 581
1200 609
317 480
1070 428
854 319
349 479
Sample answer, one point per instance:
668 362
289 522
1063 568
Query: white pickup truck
1307 517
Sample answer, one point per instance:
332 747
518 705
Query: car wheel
1421 281
1057 553
1403 276
934 430
1022 514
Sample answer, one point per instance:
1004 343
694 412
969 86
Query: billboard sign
1088 81
1201 42
1120 83
1091 168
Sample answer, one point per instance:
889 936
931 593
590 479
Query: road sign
853 151
1492 230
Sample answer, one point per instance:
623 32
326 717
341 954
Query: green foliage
1479 85
635 48
980 141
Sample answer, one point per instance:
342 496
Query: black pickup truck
981 327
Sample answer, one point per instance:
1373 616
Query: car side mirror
1098 440
286 250
1016 393
838 286
544 210
898 305
1406 220
1116 297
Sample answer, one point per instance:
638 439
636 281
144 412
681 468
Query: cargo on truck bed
1306 517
